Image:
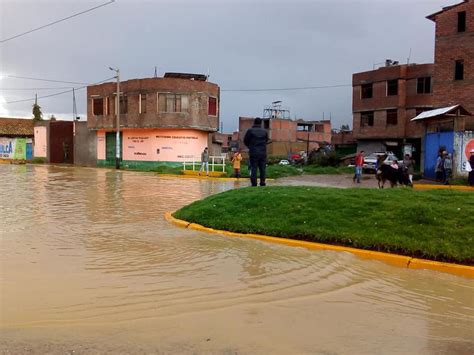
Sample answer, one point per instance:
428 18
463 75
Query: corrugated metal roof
16 127
434 113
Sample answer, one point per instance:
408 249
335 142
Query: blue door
29 151
433 143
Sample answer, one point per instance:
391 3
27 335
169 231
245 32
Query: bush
38 160
326 159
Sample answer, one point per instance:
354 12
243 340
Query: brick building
163 120
288 135
383 102
454 56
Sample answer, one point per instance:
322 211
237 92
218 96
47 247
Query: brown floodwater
90 266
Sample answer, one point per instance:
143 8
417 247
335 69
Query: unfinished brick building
289 136
384 101
454 56
162 120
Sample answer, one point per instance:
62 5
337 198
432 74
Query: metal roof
438 112
199 77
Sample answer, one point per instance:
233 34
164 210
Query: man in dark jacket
256 140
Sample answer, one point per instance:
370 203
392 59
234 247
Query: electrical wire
288 89
40 79
55 22
60 93
34 89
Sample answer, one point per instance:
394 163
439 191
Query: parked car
284 162
370 161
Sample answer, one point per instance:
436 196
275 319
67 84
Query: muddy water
89 265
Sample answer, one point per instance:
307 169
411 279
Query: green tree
345 127
37 114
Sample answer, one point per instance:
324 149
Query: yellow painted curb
442 187
392 259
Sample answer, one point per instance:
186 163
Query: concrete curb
203 177
448 187
392 259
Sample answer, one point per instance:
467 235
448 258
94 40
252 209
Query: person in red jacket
359 162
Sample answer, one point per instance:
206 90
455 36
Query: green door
110 138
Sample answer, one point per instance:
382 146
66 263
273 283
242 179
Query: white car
370 161
284 162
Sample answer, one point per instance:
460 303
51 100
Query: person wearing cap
256 139
470 179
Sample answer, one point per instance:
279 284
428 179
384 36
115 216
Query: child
236 159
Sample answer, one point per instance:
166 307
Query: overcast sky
243 44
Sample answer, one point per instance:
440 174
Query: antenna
409 56
156 72
208 73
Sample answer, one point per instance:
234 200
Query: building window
367 118
462 21
366 91
423 85
123 104
392 87
459 70
392 117
141 103
107 106
172 103
98 106
212 106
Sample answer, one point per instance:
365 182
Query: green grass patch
436 225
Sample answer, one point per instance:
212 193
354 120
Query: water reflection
90 249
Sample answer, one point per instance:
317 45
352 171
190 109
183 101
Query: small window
367 118
123 104
212 107
98 106
107 106
172 103
142 103
366 91
392 117
423 85
459 70
462 21
392 87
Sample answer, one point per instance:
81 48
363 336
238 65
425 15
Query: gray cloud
244 45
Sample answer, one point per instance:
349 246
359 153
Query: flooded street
89 265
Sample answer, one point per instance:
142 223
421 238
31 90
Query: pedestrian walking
236 159
439 167
470 168
204 161
447 168
409 164
256 140
359 163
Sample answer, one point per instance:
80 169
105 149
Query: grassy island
436 225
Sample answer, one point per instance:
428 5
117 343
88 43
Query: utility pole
117 139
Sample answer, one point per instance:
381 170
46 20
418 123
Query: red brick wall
450 46
195 117
405 102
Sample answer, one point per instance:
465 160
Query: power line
55 22
48 80
60 93
34 89
288 89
